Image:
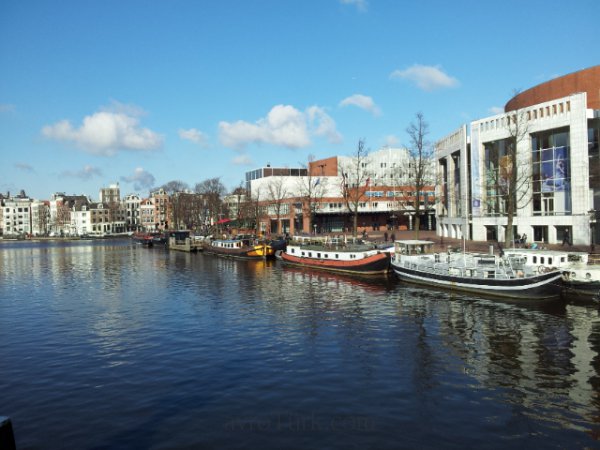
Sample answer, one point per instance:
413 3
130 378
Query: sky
141 93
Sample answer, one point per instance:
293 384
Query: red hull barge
359 260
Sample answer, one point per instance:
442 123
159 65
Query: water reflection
183 347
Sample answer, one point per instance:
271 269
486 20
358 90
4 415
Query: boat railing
465 265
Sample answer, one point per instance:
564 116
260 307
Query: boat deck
465 265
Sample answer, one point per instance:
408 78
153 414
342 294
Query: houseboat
487 274
337 255
243 246
145 239
581 275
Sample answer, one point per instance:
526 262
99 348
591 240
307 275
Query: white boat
488 274
337 255
579 274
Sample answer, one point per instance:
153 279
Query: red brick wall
324 167
587 80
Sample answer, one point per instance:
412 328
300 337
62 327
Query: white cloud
427 78
362 101
361 5
323 125
391 141
141 179
195 136
107 131
86 173
242 160
284 126
496 110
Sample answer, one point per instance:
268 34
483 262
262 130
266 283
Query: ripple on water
108 345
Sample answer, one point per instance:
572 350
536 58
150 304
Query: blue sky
145 92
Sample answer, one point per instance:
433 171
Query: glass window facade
551 177
594 152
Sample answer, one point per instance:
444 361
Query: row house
16 216
162 209
132 204
76 215
61 206
22 215
2 198
147 214
97 219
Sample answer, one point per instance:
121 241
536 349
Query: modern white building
383 178
556 127
452 190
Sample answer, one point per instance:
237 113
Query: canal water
108 345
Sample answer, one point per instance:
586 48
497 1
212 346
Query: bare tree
250 210
43 219
311 189
355 182
277 192
186 210
63 217
212 191
508 173
420 174
240 195
174 186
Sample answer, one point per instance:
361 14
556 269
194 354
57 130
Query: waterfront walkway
443 244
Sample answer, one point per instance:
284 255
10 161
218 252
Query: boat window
562 259
310 254
542 260
337 255
302 253
535 259
292 250
550 261
326 255
318 255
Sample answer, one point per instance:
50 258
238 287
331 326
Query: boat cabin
231 243
413 247
550 258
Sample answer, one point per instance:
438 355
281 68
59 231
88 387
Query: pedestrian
393 237
385 236
566 237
